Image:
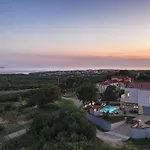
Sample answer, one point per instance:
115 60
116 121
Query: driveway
143 118
75 101
112 140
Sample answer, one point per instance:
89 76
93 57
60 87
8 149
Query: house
118 81
137 96
124 79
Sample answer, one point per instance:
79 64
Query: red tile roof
95 106
112 81
104 83
121 77
139 85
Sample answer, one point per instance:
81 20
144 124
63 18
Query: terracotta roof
104 83
112 81
121 77
139 85
95 106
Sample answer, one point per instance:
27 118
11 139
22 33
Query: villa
137 96
118 81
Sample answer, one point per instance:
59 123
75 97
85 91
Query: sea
33 70
23 70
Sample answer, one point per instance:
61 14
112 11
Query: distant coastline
1 67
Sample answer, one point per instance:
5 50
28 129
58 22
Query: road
15 134
75 101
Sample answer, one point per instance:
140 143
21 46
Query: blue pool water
108 108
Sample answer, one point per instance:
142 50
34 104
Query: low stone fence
140 133
106 125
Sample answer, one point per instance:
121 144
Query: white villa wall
143 98
97 113
133 98
101 88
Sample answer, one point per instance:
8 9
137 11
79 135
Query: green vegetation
88 93
20 81
113 119
10 82
71 95
16 95
141 143
147 122
111 94
46 95
59 127
17 114
66 103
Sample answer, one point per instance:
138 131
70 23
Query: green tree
143 77
63 88
66 129
88 93
111 94
46 95
124 73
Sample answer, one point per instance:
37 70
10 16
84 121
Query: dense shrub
46 95
10 116
2 128
31 101
8 107
105 115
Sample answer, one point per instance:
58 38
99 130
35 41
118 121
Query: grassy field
14 91
65 103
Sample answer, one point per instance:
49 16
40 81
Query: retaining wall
116 125
106 125
98 121
140 133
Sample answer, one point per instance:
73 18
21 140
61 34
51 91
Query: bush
46 95
31 114
2 128
8 107
31 101
106 115
10 116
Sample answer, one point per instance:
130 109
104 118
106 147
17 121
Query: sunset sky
75 34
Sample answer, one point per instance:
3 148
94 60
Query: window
127 94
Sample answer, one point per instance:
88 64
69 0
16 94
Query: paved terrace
123 130
143 118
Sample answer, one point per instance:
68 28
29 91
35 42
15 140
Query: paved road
75 101
112 140
15 134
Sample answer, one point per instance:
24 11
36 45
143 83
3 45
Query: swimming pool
108 108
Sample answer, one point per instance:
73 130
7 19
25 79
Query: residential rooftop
139 85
